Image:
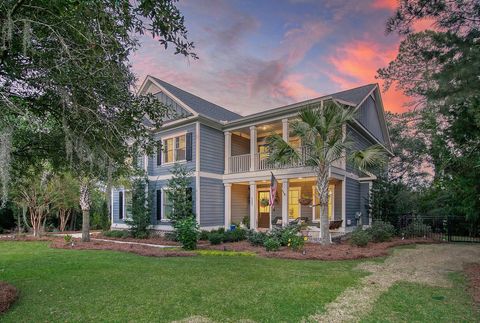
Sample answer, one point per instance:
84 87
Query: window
293 204
125 205
128 205
316 209
174 149
167 206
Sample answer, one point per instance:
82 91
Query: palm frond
279 151
371 157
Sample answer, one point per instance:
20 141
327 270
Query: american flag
273 189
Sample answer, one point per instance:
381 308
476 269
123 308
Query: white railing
240 163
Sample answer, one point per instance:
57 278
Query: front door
263 211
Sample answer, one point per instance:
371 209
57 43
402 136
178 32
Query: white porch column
284 202
228 205
285 131
253 205
228 151
253 147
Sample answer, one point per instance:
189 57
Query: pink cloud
385 4
292 86
356 64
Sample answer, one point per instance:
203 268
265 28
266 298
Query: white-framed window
125 207
167 206
294 209
174 149
331 203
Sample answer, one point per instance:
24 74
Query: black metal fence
443 228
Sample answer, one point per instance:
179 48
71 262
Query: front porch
296 202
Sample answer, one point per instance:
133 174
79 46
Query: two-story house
227 155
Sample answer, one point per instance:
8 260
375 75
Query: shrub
215 238
234 235
140 219
67 238
296 242
246 221
271 244
381 231
285 234
116 234
360 238
204 235
417 229
187 232
256 238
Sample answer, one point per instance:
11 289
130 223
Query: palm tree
320 128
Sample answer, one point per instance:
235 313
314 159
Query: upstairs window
174 149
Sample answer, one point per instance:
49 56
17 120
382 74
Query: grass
409 302
69 285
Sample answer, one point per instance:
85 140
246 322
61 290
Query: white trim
285 201
173 136
111 206
278 113
164 90
315 202
228 205
197 172
253 205
209 175
228 150
162 213
299 188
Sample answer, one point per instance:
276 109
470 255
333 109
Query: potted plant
264 202
305 200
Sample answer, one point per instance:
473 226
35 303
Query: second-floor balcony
246 149
243 163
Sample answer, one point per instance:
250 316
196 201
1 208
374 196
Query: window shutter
190 196
188 144
120 205
159 205
159 153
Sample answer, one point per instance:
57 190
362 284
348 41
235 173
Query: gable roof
355 95
199 105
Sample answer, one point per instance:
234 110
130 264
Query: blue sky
255 55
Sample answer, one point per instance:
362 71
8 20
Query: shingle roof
355 95
200 105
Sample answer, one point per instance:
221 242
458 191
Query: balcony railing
241 163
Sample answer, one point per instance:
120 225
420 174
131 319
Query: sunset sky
255 55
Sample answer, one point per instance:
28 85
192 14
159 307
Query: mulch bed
153 240
104 245
473 276
313 251
8 295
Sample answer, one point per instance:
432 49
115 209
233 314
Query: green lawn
65 285
71 286
408 302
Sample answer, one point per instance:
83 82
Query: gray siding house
226 153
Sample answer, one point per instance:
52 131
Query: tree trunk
85 206
322 190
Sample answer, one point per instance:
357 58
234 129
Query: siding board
212 150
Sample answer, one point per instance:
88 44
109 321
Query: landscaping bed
314 251
152 240
8 295
472 272
133 248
